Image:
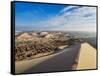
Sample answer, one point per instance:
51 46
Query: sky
35 16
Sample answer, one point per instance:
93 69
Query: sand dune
61 61
26 36
87 57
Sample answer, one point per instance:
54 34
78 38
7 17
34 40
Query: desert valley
56 50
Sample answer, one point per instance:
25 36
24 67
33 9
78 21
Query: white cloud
80 19
67 8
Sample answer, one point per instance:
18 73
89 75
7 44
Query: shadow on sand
61 62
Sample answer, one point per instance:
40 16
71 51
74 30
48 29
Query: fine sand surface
87 57
59 61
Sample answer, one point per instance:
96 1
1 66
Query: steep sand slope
87 57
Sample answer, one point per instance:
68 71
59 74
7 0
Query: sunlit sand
87 57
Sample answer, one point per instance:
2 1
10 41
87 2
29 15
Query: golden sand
62 47
87 57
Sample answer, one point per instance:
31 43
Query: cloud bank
72 18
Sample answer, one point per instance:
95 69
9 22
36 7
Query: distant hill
26 36
30 44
